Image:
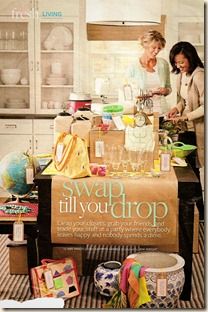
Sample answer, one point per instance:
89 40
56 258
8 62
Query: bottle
165 155
165 160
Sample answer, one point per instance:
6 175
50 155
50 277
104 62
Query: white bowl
10 78
11 71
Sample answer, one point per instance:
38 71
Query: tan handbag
71 156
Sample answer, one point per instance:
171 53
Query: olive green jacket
196 105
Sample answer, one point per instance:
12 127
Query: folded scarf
132 288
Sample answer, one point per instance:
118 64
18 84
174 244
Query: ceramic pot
106 277
162 265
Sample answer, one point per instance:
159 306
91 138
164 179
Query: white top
153 83
184 94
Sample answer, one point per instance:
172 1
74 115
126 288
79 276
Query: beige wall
111 58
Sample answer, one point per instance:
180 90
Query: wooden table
187 182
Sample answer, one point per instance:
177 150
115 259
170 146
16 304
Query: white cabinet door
43 136
43 144
44 47
15 142
17 55
15 135
56 64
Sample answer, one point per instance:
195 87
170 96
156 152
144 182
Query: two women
152 73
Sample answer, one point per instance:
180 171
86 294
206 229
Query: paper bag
55 278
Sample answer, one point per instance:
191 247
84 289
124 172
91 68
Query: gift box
18 257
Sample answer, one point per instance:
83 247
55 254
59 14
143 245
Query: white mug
51 104
57 104
44 104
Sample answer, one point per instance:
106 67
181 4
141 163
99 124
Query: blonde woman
151 73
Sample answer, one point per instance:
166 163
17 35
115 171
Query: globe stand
16 201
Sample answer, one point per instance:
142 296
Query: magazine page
102 154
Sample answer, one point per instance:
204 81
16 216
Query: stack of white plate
56 79
15 103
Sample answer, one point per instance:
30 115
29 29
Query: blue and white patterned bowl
169 265
106 277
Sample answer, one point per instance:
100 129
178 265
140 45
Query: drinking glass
6 40
1 40
23 40
125 161
144 162
107 157
135 158
115 160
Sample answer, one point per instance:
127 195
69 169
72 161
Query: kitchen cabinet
25 135
43 136
34 136
41 39
55 63
192 30
15 135
186 23
15 38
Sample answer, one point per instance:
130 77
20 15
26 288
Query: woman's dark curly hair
189 51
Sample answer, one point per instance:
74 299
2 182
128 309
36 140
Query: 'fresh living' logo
22 14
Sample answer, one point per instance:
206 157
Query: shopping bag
55 278
71 156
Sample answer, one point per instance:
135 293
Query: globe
13 173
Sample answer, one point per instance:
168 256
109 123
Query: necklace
15 209
148 65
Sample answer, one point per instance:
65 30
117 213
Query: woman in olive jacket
190 105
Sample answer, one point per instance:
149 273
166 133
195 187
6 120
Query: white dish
56 76
51 81
10 71
15 100
60 38
15 105
9 79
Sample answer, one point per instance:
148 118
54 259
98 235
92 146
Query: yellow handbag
71 156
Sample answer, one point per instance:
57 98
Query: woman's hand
180 118
173 112
161 91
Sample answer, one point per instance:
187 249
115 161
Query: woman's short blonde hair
152 35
